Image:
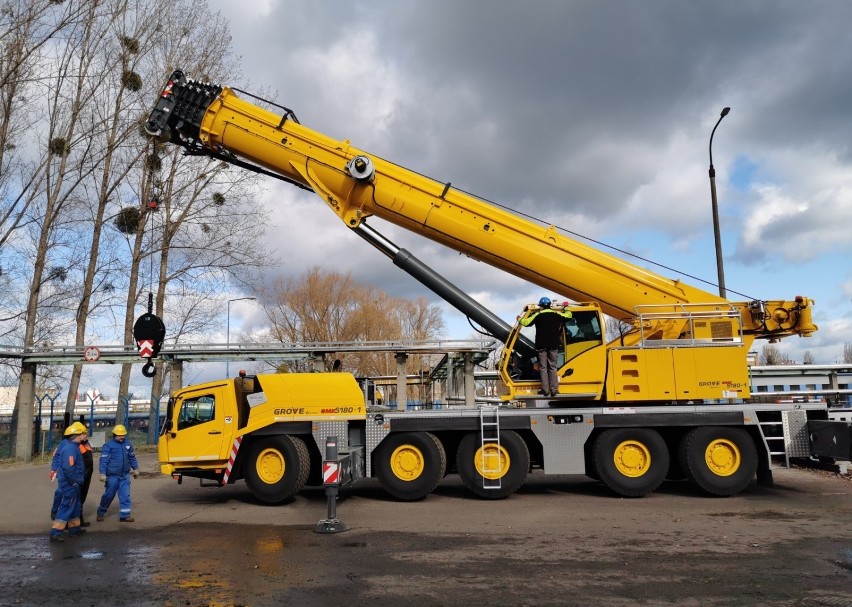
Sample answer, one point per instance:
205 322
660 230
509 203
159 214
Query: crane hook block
149 332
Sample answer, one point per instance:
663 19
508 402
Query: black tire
719 460
631 461
410 465
512 468
277 468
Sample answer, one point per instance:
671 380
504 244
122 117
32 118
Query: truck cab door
201 427
582 362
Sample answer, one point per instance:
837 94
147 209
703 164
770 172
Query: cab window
582 333
196 411
583 326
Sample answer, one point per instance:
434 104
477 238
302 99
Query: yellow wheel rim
722 457
270 466
492 461
407 462
632 458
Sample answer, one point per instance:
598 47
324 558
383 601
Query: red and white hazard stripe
330 473
237 442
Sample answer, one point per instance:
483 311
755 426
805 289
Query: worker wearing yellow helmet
77 428
117 463
70 474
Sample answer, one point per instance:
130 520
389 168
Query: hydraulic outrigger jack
332 475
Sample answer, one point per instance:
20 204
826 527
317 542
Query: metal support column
469 382
401 381
175 375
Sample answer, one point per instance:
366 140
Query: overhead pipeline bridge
457 357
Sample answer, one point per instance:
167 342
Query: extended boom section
356 185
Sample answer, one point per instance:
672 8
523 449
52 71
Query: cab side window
196 411
584 326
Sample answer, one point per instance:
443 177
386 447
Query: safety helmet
544 302
75 428
119 430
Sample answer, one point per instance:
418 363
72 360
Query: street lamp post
228 335
716 233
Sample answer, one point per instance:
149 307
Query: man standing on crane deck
548 339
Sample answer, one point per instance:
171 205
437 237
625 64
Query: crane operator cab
581 358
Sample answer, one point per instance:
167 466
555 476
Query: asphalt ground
562 540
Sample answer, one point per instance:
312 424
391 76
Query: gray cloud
590 113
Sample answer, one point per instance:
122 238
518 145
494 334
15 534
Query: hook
149 370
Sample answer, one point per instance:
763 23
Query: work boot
56 538
100 518
76 532
129 519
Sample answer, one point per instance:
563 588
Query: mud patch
263 565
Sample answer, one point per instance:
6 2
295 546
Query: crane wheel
631 461
277 468
411 464
493 471
721 461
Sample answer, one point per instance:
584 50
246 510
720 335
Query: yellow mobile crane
665 397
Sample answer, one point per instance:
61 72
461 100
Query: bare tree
26 28
331 307
81 106
204 233
772 355
807 358
113 97
847 353
66 150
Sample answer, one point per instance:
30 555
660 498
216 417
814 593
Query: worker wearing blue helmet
548 339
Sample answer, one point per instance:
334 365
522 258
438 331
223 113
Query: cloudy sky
593 116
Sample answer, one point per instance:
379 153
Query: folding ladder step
773 434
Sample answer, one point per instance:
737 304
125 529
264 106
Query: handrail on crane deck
650 315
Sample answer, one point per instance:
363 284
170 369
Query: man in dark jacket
548 340
89 469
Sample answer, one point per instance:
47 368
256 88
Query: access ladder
490 463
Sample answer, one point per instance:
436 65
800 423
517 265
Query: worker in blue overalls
117 463
70 474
